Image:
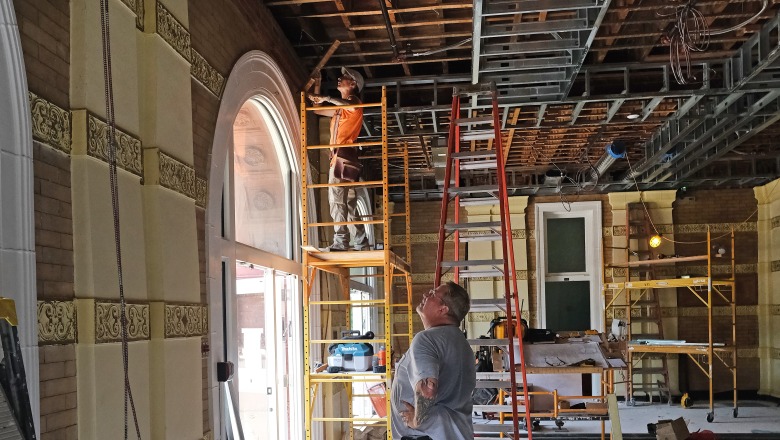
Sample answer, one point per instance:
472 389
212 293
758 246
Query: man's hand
317 99
407 414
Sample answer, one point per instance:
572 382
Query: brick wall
709 207
58 392
44 26
53 223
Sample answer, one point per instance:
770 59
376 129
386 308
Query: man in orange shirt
345 127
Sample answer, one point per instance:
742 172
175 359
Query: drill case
351 356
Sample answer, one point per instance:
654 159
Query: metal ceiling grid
532 48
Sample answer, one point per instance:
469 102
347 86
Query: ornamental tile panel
185 320
128 148
56 322
606 231
774 309
108 322
201 188
137 7
173 32
50 123
618 231
701 228
775 222
207 75
177 176
752 353
775 265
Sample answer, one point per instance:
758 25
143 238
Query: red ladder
467 129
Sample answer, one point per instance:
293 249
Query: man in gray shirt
432 386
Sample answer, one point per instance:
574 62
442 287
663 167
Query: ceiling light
632 116
655 241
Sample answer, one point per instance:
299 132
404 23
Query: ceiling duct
616 150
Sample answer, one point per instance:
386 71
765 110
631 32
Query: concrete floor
756 420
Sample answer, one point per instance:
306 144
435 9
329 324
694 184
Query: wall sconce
718 251
655 241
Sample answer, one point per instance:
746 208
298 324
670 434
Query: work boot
363 246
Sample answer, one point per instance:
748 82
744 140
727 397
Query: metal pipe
615 151
389 27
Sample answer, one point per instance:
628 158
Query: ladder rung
483 237
471 263
473 189
480 165
476 120
473 89
361 183
488 304
482 154
480 273
478 135
478 201
472 225
353 144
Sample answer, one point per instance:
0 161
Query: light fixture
655 241
718 250
632 116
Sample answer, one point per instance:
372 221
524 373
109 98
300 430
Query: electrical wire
114 184
691 33
744 23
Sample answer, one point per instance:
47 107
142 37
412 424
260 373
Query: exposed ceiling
572 77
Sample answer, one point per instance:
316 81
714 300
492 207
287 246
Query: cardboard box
674 430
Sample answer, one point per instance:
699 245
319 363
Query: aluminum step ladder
480 131
649 372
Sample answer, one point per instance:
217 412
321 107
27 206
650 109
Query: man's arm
319 99
424 398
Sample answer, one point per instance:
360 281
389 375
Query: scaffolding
388 269
621 298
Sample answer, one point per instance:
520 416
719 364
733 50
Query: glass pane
260 179
254 299
567 305
565 245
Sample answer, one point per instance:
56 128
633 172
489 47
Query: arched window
253 224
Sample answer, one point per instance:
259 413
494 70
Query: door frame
591 211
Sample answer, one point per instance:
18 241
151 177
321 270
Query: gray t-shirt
444 354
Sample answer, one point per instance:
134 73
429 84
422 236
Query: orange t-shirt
345 124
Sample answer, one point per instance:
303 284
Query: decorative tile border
50 123
137 7
201 187
173 32
747 353
128 148
207 75
56 322
185 320
108 327
775 222
701 228
686 312
177 176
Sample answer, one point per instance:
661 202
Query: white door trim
591 211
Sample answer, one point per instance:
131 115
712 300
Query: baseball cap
355 75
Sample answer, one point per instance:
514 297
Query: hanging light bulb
655 241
